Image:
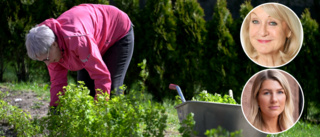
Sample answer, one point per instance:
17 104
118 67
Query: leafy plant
20 120
144 73
190 32
81 115
300 129
157 35
187 126
37 105
205 96
220 132
220 54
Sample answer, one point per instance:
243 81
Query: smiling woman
271 35
269 101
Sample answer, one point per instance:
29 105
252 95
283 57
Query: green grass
41 89
173 121
300 129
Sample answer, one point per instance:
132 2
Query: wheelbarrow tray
209 115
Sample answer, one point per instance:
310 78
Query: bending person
95 40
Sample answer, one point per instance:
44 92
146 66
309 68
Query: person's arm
90 55
58 78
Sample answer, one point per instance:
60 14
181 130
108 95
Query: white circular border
242 44
300 91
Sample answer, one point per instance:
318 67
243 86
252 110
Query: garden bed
27 101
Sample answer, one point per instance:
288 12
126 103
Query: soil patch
27 101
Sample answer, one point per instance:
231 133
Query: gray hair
38 41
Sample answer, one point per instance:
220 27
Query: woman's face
267 34
54 54
271 99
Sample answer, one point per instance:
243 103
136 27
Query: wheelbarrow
209 115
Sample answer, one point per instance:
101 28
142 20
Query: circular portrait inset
271 35
272 101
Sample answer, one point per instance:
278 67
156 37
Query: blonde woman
271 35
271 102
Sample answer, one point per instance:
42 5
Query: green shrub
156 39
220 132
21 121
205 96
221 53
300 129
187 125
81 115
185 65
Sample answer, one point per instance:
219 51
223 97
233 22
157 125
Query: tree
18 25
4 42
304 67
155 40
220 51
185 64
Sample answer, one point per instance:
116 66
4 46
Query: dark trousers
117 58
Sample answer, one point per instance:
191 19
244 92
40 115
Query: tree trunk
21 69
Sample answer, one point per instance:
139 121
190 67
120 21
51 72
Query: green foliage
4 31
313 114
220 132
223 42
205 96
81 115
42 90
143 74
177 100
173 123
310 50
187 126
187 57
78 114
220 54
155 32
19 22
300 129
15 116
131 7
67 4
245 8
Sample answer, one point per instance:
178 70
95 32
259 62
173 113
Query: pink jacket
84 33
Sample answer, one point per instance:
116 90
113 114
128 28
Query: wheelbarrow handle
176 87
